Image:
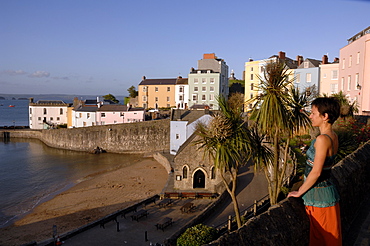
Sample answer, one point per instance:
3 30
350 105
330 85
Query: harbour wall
140 137
287 223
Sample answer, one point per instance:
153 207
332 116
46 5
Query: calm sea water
17 115
31 173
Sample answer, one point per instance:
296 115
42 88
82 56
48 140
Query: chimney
31 99
282 55
299 60
336 60
250 59
325 59
209 56
144 78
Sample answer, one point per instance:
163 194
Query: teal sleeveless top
323 193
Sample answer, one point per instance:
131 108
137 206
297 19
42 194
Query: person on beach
320 196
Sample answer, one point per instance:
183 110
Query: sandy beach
100 195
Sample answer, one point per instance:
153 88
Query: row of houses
46 114
350 73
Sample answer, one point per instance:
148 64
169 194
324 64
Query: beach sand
88 201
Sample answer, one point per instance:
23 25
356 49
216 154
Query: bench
106 220
164 223
172 195
206 195
165 203
139 214
187 207
128 210
189 194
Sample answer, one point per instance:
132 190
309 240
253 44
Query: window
358 58
45 111
168 88
181 89
144 88
102 114
39 118
195 88
177 136
324 75
51 118
156 99
334 74
211 97
168 105
168 99
156 89
58 119
213 173
349 82
211 89
212 80
252 76
333 88
185 172
181 98
195 97
88 115
343 63
204 97
251 95
357 79
204 80
350 61
61 111
308 77
298 78
342 83
145 98
251 69
80 115
30 110
204 89
252 86
196 81
306 64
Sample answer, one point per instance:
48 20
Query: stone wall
140 137
287 224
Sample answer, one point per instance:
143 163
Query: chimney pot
282 55
144 78
325 59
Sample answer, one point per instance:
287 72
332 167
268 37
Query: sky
106 46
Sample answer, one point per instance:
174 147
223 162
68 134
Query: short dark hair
327 105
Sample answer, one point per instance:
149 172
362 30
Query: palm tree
278 112
225 141
347 109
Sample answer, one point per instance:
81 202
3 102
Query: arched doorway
199 180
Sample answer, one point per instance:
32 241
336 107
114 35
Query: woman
318 193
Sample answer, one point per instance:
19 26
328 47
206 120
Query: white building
45 114
182 93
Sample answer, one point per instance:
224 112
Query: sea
32 173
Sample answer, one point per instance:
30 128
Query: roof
182 81
290 63
158 82
313 63
113 107
189 115
87 109
50 102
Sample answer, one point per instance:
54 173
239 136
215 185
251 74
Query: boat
11 106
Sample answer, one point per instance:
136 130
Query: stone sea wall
287 224
140 137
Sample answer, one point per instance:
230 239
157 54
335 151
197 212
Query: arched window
213 173
185 172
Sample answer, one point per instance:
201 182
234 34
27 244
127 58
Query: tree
347 109
278 113
197 235
132 92
225 140
111 97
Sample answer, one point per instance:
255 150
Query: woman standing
318 193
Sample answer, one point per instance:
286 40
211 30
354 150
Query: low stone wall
140 137
287 224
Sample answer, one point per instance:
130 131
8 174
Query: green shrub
197 235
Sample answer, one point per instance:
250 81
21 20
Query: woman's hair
327 105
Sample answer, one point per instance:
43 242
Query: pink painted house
116 114
354 70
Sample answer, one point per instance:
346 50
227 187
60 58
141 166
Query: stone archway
199 180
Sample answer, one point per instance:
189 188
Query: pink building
116 114
354 70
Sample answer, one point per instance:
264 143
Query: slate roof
313 63
87 109
189 115
290 63
158 82
59 102
182 81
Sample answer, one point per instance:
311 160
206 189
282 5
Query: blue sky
100 47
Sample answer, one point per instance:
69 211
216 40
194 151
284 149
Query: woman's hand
294 194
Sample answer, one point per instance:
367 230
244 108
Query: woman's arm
321 150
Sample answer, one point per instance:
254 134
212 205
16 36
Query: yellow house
253 71
157 93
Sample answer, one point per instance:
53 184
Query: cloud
39 74
62 78
14 72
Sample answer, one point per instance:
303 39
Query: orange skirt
325 226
